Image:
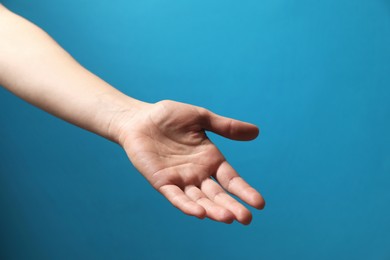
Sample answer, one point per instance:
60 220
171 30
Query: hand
167 143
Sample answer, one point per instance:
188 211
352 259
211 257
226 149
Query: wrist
122 115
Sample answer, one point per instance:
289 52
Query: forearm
34 67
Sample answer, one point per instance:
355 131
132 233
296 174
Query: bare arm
34 67
165 141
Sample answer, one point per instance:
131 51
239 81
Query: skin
165 141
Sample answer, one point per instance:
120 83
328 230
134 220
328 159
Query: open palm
167 143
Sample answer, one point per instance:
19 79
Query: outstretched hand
167 143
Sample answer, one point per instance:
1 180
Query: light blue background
314 75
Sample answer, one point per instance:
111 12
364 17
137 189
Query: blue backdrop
314 75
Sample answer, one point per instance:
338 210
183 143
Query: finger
220 197
233 183
229 128
214 211
177 197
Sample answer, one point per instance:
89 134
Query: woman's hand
167 143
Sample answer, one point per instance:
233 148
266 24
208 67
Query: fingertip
257 131
230 221
257 201
261 204
246 220
199 212
244 216
230 128
227 217
193 209
245 131
247 223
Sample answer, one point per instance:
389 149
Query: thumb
230 128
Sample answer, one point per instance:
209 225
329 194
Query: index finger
233 183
